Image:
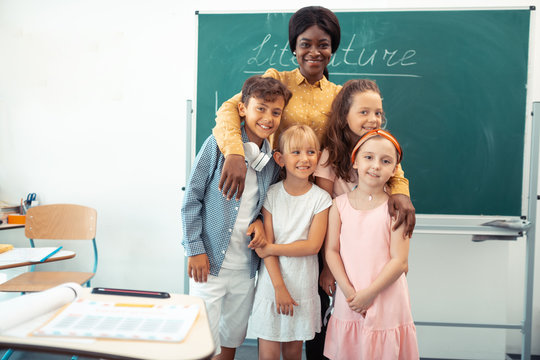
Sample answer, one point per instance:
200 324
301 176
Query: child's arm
310 246
333 257
327 281
284 301
398 264
204 165
399 203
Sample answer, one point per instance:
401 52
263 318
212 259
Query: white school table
198 343
8 264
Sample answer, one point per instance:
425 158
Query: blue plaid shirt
208 217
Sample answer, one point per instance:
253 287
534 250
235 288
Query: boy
216 230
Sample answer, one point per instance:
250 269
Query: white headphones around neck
256 158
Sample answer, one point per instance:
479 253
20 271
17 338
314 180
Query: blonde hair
295 135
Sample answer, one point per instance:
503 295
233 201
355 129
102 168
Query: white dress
291 217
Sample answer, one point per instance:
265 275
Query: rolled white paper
26 307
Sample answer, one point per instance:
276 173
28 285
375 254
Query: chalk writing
351 60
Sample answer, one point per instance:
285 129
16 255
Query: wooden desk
197 345
61 255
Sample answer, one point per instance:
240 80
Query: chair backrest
61 221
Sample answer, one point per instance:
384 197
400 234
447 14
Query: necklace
370 197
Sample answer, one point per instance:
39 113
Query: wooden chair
56 222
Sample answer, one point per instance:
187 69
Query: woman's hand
401 205
233 176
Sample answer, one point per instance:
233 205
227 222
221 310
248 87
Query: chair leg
7 354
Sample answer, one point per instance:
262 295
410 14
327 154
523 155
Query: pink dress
388 331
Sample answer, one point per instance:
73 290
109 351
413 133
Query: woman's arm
399 203
229 139
310 246
398 264
333 257
284 302
400 184
227 130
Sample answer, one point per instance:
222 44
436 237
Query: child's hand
327 282
284 302
263 251
259 237
233 176
360 301
198 267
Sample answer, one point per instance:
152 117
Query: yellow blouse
309 105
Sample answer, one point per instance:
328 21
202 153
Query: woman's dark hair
340 140
308 16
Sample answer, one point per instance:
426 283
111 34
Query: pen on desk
51 254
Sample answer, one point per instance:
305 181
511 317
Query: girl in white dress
286 310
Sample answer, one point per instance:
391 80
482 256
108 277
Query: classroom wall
93 111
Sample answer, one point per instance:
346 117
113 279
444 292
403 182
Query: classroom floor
244 352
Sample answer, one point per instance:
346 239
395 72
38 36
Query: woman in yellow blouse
314 35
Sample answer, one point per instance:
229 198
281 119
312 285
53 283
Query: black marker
126 292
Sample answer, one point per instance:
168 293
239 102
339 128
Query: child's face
261 117
300 160
313 52
376 162
365 113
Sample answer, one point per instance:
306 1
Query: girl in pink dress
372 316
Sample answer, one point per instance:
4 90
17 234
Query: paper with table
98 319
148 320
29 254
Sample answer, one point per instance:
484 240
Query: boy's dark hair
339 139
308 16
264 88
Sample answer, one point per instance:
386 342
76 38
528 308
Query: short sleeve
324 170
324 200
270 198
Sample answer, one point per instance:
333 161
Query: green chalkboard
454 87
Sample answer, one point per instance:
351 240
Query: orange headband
372 133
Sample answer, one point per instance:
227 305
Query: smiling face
365 113
262 117
313 53
376 162
299 160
